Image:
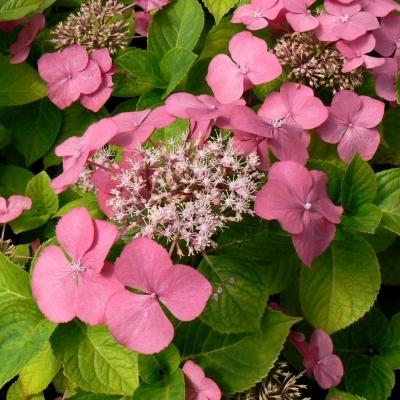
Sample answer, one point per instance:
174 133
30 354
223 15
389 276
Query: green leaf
381 240
81 395
61 383
143 64
173 130
127 85
335 393
264 89
218 39
343 344
15 9
235 361
13 180
19 83
369 377
15 393
165 362
243 274
372 331
94 360
37 375
389 260
218 8
5 137
14 282
174 66
44 204
75 121
341 285
179 24
23 332
365 218
196 80
20 255
150 99
171 387
88 201
359 184
389 150
34 128
391 352
388 198
335 175
398 88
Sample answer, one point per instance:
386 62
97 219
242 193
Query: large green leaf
19 83
369 377
166 362
14 282
44 204
127 85
243 274
14 9
37 375
179 24
218 39
143 64
75 120
174 66
388 198
34 128
89 201
81 395
365 218
235 361
389 150
23 328
335 393
171 387
372 331
196 80
94 360
359 184
391 352
13 180
342 284
16 393
218 8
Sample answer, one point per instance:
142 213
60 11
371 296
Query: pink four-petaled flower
78 285
137 320
297 198
13 207
298 16
252 64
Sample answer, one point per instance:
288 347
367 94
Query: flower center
213 107
344 18
243 70
350 125
257 14
308 206
276 123
154 296
76 266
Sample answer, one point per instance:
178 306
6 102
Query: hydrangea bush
199 200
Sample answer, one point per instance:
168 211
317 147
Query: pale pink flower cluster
181 190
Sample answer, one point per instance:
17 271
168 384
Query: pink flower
198 387
355 53
77 286
142 22
149 5
344 22
378 8
388 36
137 321
20 49
94 101
9 26
252 65
297 198
13 207
295 103
256 15
319 360
76 150
351 123
69 74
284 140
385 78
203 108
298 16
135 127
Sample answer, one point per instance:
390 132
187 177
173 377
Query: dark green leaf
13 180
391 352
365 218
